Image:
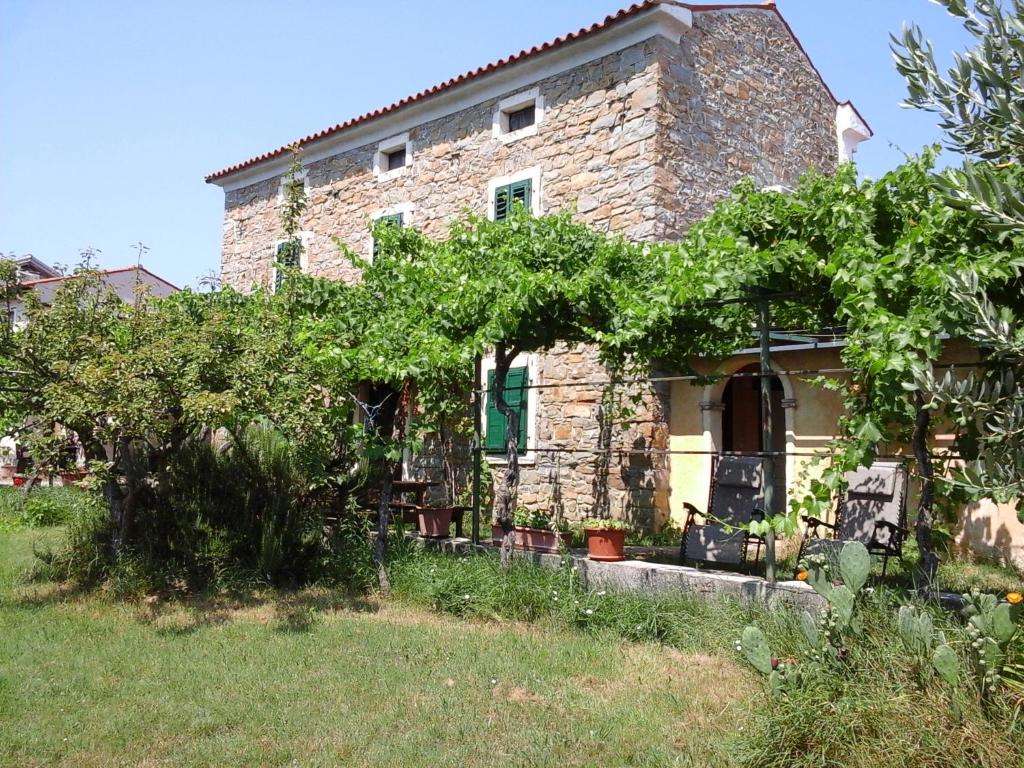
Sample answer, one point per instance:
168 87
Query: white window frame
531 361
303 175
406 209
307 240
533 174
512 104
385 148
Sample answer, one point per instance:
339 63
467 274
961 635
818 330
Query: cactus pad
754 647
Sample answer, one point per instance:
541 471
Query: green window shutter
501 197
287 257
505 197
391 220
517 396
494 442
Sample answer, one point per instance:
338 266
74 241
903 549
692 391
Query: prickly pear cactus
818 576
916 630
841 599
991 625
754 648
809 625
854 565
1002 625
946 663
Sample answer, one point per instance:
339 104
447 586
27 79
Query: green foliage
978 100
992 626
604 524
56 506
45 506
535 518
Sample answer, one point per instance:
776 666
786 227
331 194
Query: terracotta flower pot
543 540
606 544
70 478
497 534
434 523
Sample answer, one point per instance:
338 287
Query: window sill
527 459
392 175
522 133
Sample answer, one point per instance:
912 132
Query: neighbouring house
44 281
640 123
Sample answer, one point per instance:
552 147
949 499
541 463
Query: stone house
639 122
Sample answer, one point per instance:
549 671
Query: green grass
464 666
316 679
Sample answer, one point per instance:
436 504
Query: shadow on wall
639 478
985 528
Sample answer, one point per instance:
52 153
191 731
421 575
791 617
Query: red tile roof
140 268
607 22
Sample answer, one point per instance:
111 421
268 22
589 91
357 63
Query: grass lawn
313 679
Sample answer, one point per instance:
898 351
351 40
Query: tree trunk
380 546
505 501
923 526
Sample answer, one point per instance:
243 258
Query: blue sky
111 113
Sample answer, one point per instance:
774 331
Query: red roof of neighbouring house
608 22
140 268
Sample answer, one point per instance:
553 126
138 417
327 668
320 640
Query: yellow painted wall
812 416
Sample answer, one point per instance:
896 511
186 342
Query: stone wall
594 147
592 457
641 142
740 100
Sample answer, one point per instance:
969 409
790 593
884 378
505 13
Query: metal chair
873 511
736 497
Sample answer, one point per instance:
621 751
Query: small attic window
393 156
522 118
395 159
518 116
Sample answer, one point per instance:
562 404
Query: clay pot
606 544
543 540
70 478
434 523
497 534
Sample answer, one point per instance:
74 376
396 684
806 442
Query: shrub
57 506
44 506
222 516
84 557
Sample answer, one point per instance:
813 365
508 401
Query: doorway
741 425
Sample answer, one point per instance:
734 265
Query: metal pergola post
477 446
766 434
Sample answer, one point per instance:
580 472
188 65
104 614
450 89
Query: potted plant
434 523
70 477
539 532
606 539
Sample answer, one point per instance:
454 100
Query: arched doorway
741 424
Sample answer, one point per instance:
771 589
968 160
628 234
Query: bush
877 711
57 506
44 506
84 557
223 516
